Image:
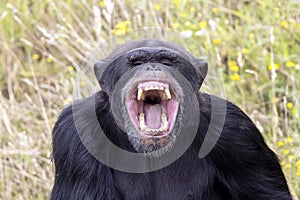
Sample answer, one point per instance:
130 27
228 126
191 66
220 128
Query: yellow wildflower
284 24
280 143
102 3
36 56
245 51
298 26
122 25
289 139
183 15
119 32
235 77
276 67
121 28
234 68
231 63
202 24
289 105
298 163
216 41
49 59
71 68
286 151
291 157
156 7
282 163
298 173
290 64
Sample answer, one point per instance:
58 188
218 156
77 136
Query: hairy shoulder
229 125
81 115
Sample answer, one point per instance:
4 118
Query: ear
99 68
202 67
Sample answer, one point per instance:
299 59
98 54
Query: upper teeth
154 87
166 95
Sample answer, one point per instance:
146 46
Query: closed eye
166 62
137 62
166 57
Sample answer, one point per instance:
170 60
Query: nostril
153 67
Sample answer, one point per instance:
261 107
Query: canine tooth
140 94
164 97
168 94
165 121
142 122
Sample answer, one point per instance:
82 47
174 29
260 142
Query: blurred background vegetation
255 46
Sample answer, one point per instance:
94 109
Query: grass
254 45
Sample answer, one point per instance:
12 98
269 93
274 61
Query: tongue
153 115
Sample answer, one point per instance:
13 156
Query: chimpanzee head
151 90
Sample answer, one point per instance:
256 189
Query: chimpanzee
140 137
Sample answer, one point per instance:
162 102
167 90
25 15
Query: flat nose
153 67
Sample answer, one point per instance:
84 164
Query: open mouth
153 108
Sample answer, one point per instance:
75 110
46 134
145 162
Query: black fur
240 166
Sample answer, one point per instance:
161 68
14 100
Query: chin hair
152 147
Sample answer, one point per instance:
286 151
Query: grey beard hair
154 148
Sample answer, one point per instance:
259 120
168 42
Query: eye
166 62
138 57
137 62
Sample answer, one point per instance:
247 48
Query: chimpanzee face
152 93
